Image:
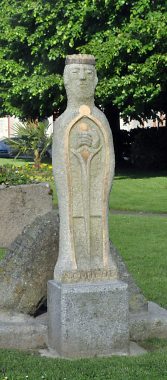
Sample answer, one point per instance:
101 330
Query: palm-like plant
32 138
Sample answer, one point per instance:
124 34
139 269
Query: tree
127 37
32 138
131 57
33 48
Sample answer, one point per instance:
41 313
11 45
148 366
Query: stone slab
28 265
25 332
19 206
88 319
151 324
22 331
134 350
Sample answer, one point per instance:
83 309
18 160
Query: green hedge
144 148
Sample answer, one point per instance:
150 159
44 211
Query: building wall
7 126
160 121
3 127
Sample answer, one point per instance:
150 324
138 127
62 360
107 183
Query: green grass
144 192
154 344
2 252
13 161
142 242
17 366
131 191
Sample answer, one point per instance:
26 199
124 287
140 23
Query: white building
160 121
7 126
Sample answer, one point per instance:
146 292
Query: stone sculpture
87 304
83 163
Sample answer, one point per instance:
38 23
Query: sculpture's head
80 78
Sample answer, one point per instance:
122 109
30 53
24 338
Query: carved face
80 80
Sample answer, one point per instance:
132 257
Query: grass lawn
22 366
13 161
140 192
142 242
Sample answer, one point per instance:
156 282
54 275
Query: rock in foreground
29 264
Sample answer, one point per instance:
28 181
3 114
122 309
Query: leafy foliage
13 176
144 148
32 138
149 148
19 175
131 56
127 37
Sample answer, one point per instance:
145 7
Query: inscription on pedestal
90 275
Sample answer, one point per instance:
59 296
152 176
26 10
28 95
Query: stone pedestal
88 319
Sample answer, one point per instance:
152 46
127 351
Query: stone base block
20 331
88 319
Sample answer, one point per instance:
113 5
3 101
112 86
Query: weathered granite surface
148 325
88 319
29 264
25 332
83 166
19 206
92 313
19 331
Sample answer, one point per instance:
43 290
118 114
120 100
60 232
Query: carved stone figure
83 165
87 304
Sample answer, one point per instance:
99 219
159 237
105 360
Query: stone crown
81 59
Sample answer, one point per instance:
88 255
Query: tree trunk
37 159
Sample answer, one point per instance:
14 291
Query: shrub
149 148
18 175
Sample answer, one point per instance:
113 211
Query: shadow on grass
134 174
